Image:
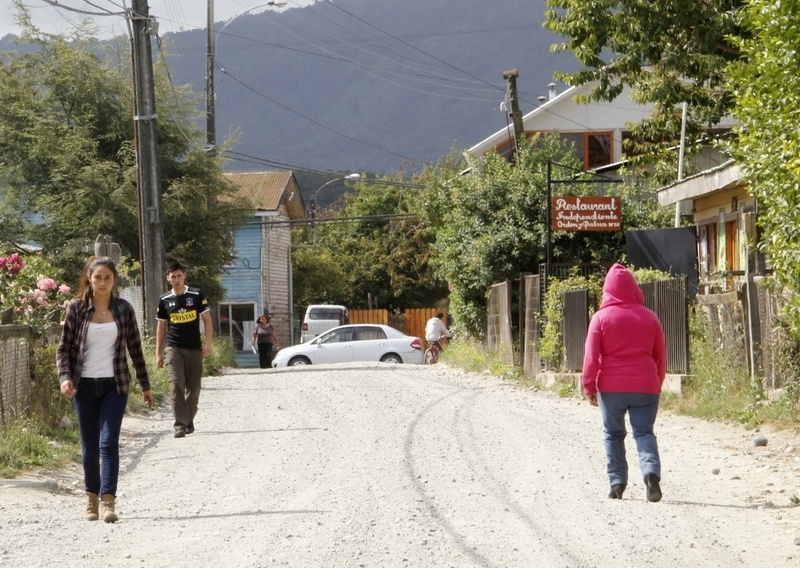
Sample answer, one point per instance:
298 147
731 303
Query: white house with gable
597 128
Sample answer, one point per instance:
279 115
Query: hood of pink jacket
620 288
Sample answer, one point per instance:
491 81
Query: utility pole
211 125
516 115
151 214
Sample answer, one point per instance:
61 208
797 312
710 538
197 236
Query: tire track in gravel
465 445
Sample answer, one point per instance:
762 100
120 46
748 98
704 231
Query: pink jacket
625 349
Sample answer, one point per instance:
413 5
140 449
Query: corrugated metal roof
267 190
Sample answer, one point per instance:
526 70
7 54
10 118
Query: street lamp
211 49
348 177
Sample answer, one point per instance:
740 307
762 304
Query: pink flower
46 284
12 264
40 297
64 289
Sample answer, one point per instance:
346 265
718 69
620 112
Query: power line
102 12
399 60
319 220
236 156
316 123
414 47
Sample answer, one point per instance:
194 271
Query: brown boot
109 515
91 506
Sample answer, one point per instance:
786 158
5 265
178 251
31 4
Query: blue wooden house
260 278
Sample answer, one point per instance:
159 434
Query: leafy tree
491 224
382 247
461 232
768 141
318 277
668 51
67 159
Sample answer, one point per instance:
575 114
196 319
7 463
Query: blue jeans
100 410
642 409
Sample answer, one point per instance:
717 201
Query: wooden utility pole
151 214
516 115
211 124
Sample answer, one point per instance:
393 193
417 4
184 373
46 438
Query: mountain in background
368 85
365 85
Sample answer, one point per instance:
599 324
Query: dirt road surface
367 465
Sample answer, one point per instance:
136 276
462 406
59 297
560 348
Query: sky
172 15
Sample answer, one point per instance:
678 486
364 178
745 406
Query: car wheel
299 362
391 358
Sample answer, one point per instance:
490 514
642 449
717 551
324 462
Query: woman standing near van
264 339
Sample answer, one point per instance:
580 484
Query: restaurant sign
586 214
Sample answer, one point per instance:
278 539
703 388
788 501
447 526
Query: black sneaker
617 491
180 432
651 480
190 428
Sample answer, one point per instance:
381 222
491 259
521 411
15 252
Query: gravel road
366 465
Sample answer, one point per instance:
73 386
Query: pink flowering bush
28 293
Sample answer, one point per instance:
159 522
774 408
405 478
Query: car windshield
324 314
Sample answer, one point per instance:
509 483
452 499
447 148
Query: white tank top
98 354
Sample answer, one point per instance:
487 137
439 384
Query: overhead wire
402 62
173 90
468 74
315 122
365 67
549 111
101 11
238 156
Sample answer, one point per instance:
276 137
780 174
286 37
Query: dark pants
100 410
265 355
185 369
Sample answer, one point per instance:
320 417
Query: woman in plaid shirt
93 371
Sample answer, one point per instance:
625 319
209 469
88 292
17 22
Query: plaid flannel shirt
69 356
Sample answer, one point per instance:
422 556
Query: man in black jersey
180 346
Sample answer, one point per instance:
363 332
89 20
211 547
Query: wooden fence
415 320
15 378
369 316
668 299
499 335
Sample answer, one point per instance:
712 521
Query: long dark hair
85 283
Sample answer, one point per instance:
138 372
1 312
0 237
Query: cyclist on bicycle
435 330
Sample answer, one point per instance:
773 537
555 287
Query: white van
320 318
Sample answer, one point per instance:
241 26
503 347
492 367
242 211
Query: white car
356 342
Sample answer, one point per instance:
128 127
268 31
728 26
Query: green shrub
551 344
716 390
221 358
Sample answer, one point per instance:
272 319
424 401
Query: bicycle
433 352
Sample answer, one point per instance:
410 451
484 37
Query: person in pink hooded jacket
624 366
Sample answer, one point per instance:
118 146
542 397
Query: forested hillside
368 85
364 85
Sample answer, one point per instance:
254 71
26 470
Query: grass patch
473 356
566 390
25 444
